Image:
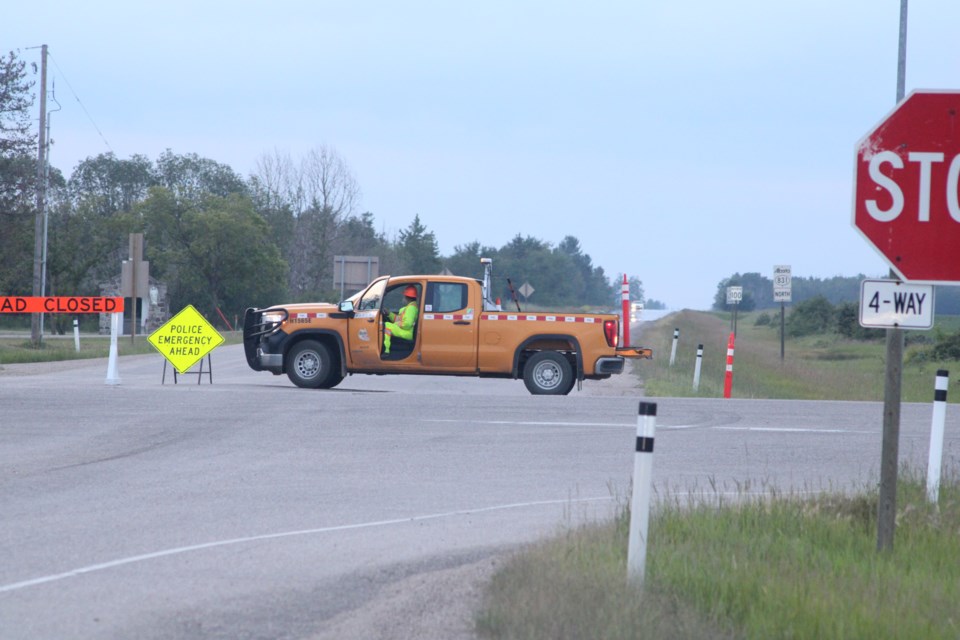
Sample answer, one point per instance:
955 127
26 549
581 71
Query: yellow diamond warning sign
185 338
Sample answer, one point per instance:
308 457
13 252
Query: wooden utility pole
36 337
890 447
135 279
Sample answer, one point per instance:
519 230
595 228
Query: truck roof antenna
514 294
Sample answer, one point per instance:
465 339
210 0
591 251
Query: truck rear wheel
311 366
548 373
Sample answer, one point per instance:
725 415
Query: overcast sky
680 142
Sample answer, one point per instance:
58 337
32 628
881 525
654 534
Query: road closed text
44 304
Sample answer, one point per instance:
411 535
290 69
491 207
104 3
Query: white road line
527 423
792 429
15 586
677 427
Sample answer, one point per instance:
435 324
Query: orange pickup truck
460 331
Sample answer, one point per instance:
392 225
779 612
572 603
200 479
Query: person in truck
401 323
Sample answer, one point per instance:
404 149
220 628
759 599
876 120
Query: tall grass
822 367
779 566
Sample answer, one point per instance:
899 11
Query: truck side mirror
346 306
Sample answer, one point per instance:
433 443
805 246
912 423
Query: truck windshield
371 297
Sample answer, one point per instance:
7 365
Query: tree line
758 292
224 242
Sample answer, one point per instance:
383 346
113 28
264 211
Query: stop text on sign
907 187
60 304
921 175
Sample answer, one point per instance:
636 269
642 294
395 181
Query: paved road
250 508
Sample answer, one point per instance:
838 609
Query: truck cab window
445 297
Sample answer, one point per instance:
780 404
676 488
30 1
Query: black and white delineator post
642 488
673 348
936 436
696 368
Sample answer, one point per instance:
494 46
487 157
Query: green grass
823 367
778 566
19 350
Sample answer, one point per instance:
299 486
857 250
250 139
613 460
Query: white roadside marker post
936 436
113 376
696 368
673 347
642 488
76 334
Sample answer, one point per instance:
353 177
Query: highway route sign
782 283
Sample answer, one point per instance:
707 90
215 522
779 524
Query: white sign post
782 293
734 296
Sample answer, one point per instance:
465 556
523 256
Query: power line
77 98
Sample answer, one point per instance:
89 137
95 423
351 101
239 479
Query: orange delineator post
625 290
728 377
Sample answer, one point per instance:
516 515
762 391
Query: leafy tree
212 253
588 284
16 137
105 185
748 303
526 260
18 172
309 207
810 317
760 289
358 237
90 218
311 253
17 221
636 290
274 197
848 323
763 320
191 177
946 348
465 260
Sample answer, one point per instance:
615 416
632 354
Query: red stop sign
906 200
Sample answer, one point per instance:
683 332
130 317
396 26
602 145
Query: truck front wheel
310 365
548 373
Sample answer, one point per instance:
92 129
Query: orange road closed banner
60 304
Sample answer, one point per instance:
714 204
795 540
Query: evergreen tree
418 251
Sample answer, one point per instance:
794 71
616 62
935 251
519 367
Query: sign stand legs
199 373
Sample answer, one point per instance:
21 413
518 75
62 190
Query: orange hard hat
410 291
